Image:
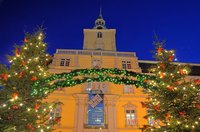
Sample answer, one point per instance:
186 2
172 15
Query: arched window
55 114
99 35
130 114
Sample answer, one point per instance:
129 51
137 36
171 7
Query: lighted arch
45 86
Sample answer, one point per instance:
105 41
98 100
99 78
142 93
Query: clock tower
99 38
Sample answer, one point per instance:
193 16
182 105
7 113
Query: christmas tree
174 102
19 111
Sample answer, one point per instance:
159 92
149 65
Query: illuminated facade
99 106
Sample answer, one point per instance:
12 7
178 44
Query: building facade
99 106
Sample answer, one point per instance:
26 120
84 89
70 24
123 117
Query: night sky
136 21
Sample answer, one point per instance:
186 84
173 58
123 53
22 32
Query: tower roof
100 22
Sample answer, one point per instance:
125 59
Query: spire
100 23
100 13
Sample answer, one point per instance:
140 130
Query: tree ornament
162 75
21 74
23 62
17 53
25 40
37 106
198 106
167 115
183 71
176 83
33 78
159 50
157 107
171 57
4 76
197 81
145 81
57 119
15 107
15 95
182 113
162 66
170 88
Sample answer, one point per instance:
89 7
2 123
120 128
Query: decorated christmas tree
174 101
19 111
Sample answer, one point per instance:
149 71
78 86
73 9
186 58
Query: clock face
96 64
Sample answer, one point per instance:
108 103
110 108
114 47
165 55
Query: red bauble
182 113
4 76
37 106
162 75
170 88
25 40
21 74
15 107
167 115
197 81
14 95
57 119
160 50
157 107
23 62
17 52
171 57
33 78
162 66
198 106
145 81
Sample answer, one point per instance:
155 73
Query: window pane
128 66
62 62
67 62
124 66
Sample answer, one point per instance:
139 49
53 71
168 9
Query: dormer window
99 35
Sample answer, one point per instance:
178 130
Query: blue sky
176 21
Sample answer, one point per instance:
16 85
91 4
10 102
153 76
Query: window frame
130 107
98 63
126 64
65 62
99 35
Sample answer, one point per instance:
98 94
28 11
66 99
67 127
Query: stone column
111 112
79 116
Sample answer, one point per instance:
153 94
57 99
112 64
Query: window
126 64
55 115
65 62
62 62
96 63
130 114
128 89
99 35
130 117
